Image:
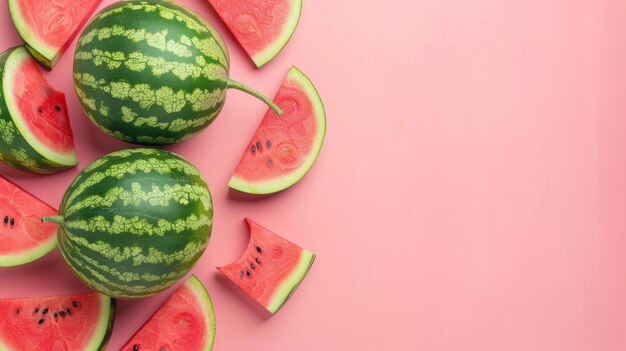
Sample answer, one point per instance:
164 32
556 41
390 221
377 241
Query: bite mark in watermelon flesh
44 323
48 27
270 269
185 322
37 109
263 28
284 148
24 238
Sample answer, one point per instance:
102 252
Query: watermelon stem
246 89
54 219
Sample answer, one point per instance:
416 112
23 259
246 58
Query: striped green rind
15 149
135 222
150 72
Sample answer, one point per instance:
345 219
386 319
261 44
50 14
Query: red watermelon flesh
262 27
48 27
24 238
284 148
185 322
270 269
56 323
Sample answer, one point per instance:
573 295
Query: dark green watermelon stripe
137 225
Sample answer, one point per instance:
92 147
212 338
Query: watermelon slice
284 148
35 132
262 27
270 269
24 238
48 27
185 322
56 323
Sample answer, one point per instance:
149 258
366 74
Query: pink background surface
469 196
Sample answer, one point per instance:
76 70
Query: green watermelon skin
135 221
150 72
14 149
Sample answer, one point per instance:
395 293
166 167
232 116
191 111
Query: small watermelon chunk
271 268
284 148
24 238
263 28
185 322
70 322
48 27
35 131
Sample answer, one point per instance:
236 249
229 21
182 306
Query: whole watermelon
152 72
134 222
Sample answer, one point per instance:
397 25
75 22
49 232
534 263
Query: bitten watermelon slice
57 323
284 148
48 26
35 132
185 322
270 269
24 238
262 27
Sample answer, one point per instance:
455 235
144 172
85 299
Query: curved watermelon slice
35 132
57 323
284 148
270 269
185 322
48 27
24 238
262 27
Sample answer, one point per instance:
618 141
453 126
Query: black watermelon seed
45 310
36 310
252 265
258 145
41 321
258 260
6 219
269 143
258 249
253 149
58 108
248 272
55 315
40 110
62 313
17 311
136 348
74 303
69 312
12 221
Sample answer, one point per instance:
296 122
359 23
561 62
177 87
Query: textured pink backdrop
470 194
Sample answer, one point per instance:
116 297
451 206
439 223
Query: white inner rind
207 306
15 59
45 50
287 287
264 56
277 184
103 324
30 255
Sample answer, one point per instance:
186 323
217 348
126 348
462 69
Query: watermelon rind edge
289 28
41 51
289 286
278 184
203 295
28 256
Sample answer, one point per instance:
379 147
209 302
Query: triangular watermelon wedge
185 322
70 322
270 269
24 238
48 26
262 27
284 148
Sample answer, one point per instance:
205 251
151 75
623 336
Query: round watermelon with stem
185 322
263 28
284 148
24 238
48 27
152 72
271 268
68 322
134 222
35 131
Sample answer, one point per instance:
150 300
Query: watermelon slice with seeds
284 148
57 323
262 27
35 131
185 322
24 238
48 26
270 269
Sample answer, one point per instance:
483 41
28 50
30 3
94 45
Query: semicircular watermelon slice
270 269
263 28
185 322
57 323
48 27
284 148
24 238
35 131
